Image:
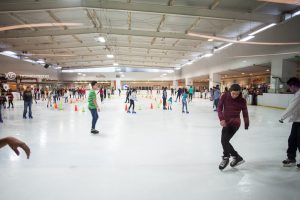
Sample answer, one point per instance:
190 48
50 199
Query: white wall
19 67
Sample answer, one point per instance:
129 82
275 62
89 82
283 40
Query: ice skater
164 97
184 101
293 112
93 106
10 97
191 92
229 109
132 99
216 96
170 101
27 97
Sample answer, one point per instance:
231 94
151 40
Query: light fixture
243 73
101 39
251 74
189 63
267 70
296 13
262 29
249 37
208 55
224 46
164 74
41 61
244 61
83 74
58 67
177 68
116 64
210 40
110 56
79 73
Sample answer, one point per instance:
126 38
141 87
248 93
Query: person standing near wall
164 97
293 112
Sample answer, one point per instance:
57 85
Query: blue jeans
95 117
27 104
184 104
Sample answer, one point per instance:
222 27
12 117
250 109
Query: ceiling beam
236 15
20 20
92 15
91 45
214 4
41 33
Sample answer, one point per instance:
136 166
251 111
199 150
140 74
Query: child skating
132 99
170 101
184 101
230 106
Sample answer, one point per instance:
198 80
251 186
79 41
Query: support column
188 82
214 79
117 84
175 84
281 71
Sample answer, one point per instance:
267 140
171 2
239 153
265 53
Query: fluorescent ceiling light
110 56
57 67
296 13
249 37
189 63
40 61
177 68
224 46
210 40
8 53
116 64
208 55
29 60
101 39
262 29
164 74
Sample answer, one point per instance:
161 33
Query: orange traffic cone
76 109
151 106
126 108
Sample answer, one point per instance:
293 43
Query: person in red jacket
230 106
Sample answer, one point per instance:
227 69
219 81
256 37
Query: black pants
190 97
294 141
178 97
227 134
164 103
10 102
101 97
216 103
131 104
127 99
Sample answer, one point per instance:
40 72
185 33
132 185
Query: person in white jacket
132 99
293 112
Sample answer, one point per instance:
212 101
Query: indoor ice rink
149 100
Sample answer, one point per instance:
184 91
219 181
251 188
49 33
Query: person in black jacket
27 97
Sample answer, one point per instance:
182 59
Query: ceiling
139 33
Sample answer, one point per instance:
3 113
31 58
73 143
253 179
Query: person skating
128 93
170 101
179 91
230 106
27 97
293 112
93 106
132 99
164 97
216 96
10 97
184 101
191 92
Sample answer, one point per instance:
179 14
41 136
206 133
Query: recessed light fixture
101 39
243 73
267 70
110 56
116 64
208 55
